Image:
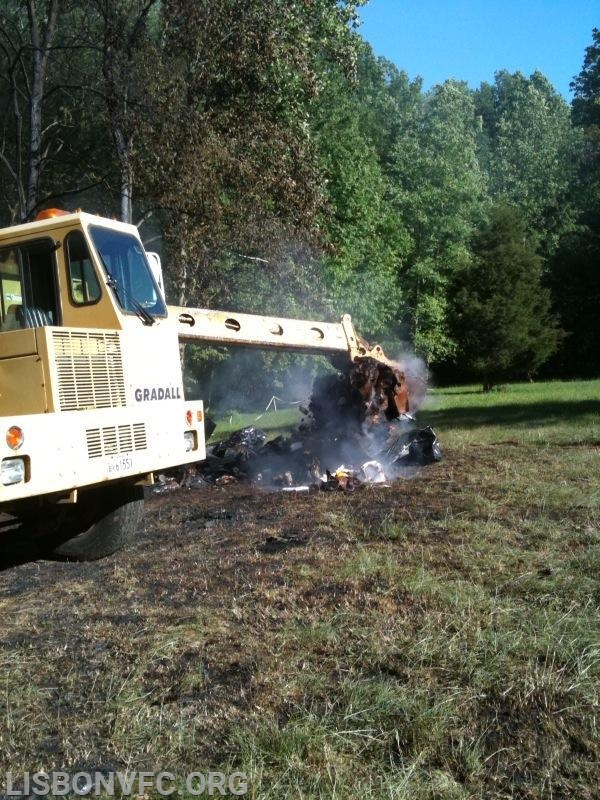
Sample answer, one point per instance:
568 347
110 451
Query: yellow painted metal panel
17 343
22 386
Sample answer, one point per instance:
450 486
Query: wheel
100 523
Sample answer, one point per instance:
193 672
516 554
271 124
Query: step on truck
92 403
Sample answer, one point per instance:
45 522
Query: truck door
28 286
28 300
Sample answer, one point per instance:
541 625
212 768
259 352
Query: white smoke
418 377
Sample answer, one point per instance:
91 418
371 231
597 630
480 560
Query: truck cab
91 392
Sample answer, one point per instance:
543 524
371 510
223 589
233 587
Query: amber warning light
14 437
50 213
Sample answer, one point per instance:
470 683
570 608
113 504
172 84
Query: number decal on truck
119 464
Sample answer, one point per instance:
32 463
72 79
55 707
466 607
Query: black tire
100 523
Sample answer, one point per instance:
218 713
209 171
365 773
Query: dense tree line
283 168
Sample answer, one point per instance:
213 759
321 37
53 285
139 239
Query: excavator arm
373 371
253 330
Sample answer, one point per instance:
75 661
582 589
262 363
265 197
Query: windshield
127 269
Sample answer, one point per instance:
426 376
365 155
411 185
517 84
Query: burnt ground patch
449 616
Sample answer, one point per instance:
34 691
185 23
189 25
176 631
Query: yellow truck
91 392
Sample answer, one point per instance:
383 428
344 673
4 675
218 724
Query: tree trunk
125 30
123 154
41 50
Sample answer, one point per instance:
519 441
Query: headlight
190 441
12 470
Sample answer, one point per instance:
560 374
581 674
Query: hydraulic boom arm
373 373
253 330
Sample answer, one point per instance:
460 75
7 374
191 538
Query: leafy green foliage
576 287
530 151
288 170
575 277
502 317
365 236
586 116
586 86
239 170
438 191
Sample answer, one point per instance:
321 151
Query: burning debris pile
357 429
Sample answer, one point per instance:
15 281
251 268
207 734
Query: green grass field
526 413
473 668
435 640
272 422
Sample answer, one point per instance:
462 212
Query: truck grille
116 439
90 370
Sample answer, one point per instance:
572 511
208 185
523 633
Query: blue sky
470 40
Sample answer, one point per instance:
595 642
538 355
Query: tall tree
366 239
53 137
529 150
586 86
386 100
227 153
575 276
501 312
586 117
438 190
127 52
575 284
25 49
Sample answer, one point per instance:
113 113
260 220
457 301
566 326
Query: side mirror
156 267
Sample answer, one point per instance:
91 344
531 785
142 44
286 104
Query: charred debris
356 430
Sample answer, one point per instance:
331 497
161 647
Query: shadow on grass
512 414
19 545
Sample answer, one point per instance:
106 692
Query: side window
28 297
11 292
83 282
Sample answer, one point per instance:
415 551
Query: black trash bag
416 448
243 442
